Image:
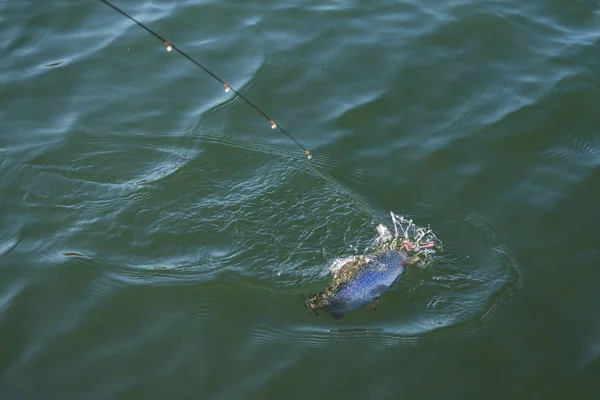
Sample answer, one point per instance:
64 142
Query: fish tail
306 301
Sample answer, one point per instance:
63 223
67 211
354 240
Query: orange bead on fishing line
227 87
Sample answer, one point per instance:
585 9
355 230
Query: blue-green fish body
360 282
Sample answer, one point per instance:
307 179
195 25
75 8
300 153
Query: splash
422 239
423 243
455 294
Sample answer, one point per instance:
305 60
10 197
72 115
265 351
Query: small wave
324 336
577 151
9 245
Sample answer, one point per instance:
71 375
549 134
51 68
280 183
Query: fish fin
338 316
374 305
313 311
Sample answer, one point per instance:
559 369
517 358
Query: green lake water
157 237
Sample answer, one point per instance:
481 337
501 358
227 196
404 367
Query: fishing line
228 88
318 171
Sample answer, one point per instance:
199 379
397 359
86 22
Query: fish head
408 253
410 260
413 252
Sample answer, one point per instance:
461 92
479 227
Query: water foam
405 230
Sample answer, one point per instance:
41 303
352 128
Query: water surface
157 236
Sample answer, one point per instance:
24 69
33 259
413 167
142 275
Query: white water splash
405 230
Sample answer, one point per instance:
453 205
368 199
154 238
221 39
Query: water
157 236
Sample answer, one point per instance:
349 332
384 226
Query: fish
361 281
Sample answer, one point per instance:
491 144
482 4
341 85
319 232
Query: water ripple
155 227
577 151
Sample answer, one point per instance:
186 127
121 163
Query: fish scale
360 282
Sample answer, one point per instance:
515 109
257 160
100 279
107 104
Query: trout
361 281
